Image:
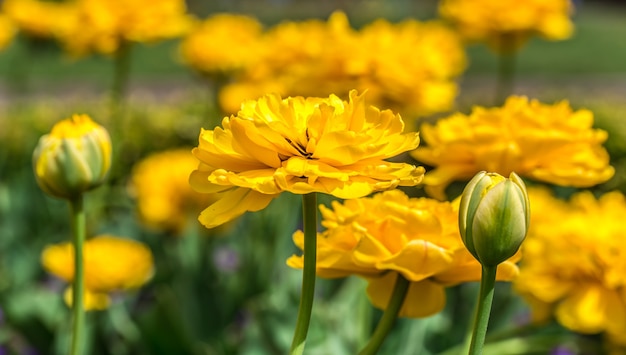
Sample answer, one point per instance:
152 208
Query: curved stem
78 312
506 70
309 203
389 316
485 298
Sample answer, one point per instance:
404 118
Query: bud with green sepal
494 216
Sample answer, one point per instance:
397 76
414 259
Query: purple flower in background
562 350
226 259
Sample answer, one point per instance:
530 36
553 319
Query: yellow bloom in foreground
574 265
507 24
160 183
378 237
222 43
75 157
111 264
300 145
550 143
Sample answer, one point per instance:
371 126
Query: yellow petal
423 298
233 204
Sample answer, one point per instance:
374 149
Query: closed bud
73 158
494 216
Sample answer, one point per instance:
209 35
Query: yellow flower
223 43
313 57
160 183
300 145
111 264
507 24
104 25
44 19
75 157
574 265
388 234
550 143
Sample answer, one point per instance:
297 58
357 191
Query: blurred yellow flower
111 264
104 25
300 145
378 237
408 67
550 143
44 19
506 25
7 31
223 43
160 183
574 265
75 157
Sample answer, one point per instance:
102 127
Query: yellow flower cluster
388 234
102 26
223 43
574 265
160 183
550 143
408 66
506 25
300 145
111 264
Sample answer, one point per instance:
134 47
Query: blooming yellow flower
223 43
111 264
104 25
300 145
550 143
388 234
507 24
44 19
574 265
75 157
160 183
408 67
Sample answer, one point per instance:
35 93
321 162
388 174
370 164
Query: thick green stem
78 312
506 70
121 72
483 309
389 316
309 203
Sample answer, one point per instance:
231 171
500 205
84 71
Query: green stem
309 203
506 70
389 316
483 309
78 312
121 72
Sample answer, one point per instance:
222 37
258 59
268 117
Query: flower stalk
389 316
309 212
483 309
506 70
78 286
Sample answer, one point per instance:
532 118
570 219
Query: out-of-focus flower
300 145
160 183
494 214
313 58
7 31
42 19
388 234
223 43
111 264
75 157
574 266
549 143
506 25
104 25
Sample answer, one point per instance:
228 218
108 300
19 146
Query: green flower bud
75 157
494 216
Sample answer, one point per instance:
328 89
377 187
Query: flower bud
494 216
75 157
